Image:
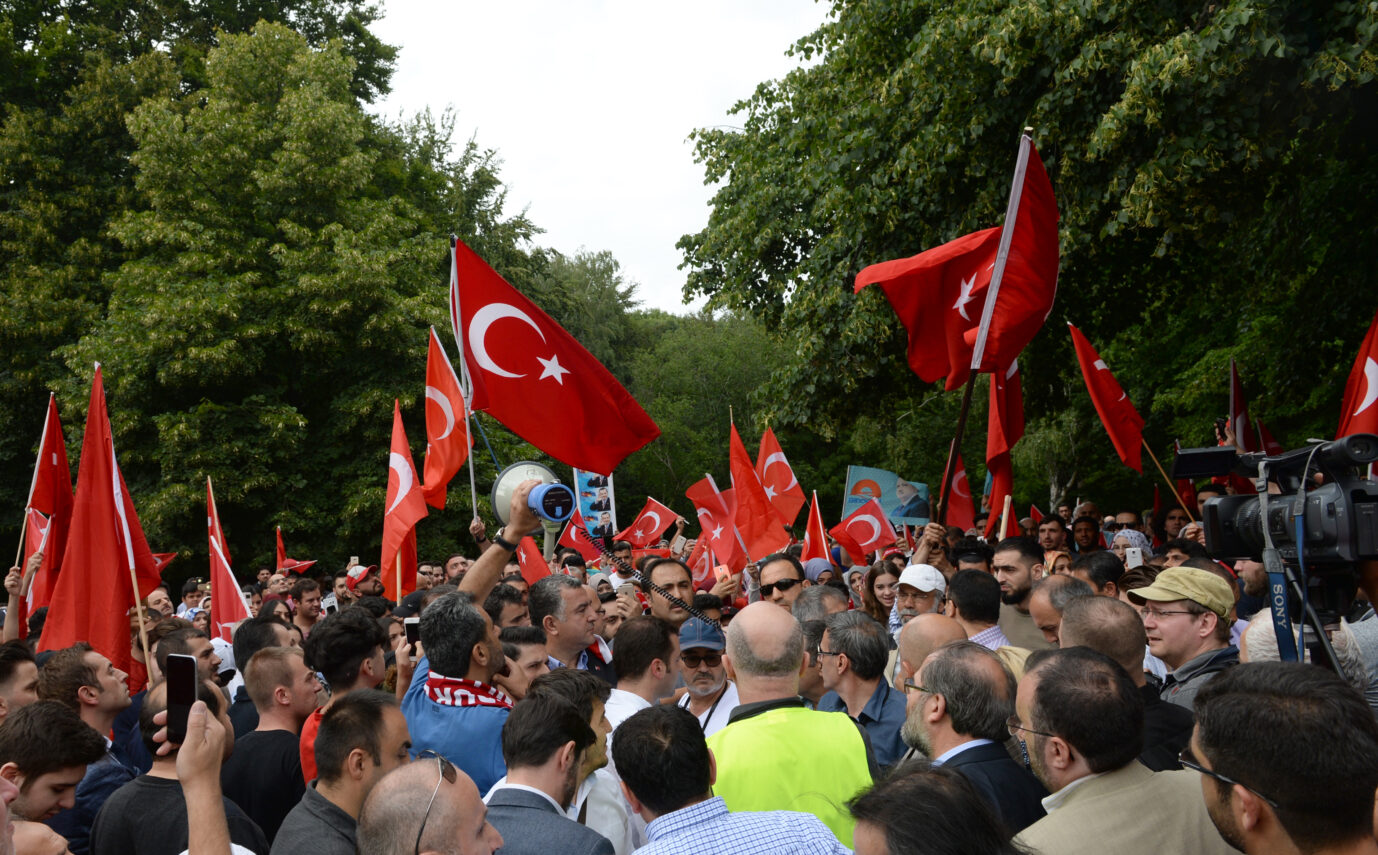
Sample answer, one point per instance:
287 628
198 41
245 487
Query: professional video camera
1309 534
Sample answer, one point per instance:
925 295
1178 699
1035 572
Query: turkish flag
571 538
756 518
1035 514
106 551
648 525
447 425
281 552
1358 413
532 563
1270 445
1002 484
1003 430
961 511
50 492
538 381
939 295
1116 411
36 529
405 507
227 600
716 511
815 535
700 562
866 530
782 488
1239 414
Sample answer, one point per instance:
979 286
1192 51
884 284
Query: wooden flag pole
139 615
1171 486
23 530
1005 516
398 562
941 518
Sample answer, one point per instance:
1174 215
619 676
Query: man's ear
282 696
712 768
1037 571
568 755
1246 807
630 797
939 709
10 772
732 672
548 623
1111 590
88 695
1059 753
355 767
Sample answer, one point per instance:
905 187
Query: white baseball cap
924 577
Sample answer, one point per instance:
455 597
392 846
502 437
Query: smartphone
181 694
1133 557
626 588
677 545
353 559
721 572
329 604
412 626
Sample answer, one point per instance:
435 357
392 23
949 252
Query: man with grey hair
818 602
958 715
452 706
852 663
1049 597
776 754
560 606
426 806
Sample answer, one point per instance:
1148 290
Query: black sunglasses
692 660
782 586
447 773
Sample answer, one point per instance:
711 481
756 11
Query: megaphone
552 501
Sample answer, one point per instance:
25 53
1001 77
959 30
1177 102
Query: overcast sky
590 104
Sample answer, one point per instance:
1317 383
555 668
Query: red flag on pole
1270 445
281 552
815 535
405 507
866 530
1239 414
939 294
569 537
50 492
36 530
1358 413
447 425
716 513
1116 411
782 488
538 381
1035 514
648 525
532 563
106 551
961 510
1003 430
756 518
700 562
227 600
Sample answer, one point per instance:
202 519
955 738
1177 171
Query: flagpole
1005 515
33 483
1176 495
943 494
399 574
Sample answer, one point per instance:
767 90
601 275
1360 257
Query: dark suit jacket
1013 791
530 825
1167 730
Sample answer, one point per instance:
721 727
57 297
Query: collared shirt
881 718
715 717
622 705
1053 801
991 638
953 752
511 786
580 664
707 826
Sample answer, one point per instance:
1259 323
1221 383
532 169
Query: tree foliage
1204 160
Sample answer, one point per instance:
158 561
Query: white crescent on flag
958 482
1370 385
402 466
655 527
434 394
869 520
779 457
1100 365
478 329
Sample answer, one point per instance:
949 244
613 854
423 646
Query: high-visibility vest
793 758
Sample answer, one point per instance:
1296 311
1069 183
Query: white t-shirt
714 718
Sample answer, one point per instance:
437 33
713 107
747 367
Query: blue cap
698 633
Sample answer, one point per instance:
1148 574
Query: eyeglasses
782 586
1188 761
910 687
1159 614
1014 726
822 652
1115 526
692 660
447 773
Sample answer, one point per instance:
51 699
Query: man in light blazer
544 743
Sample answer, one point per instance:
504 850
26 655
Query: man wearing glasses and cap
1186 615
710 696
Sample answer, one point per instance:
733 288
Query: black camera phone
181 694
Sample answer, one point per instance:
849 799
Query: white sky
589 103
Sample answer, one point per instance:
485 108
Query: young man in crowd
306 593
647 648
852 664
346 649
250 637
18 677
1018 564
45 748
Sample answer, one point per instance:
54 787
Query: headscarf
1135 538
815 567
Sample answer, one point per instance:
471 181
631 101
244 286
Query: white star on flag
965 297
553 368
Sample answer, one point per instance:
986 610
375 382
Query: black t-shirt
148 816
263 776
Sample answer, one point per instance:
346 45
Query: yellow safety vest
793 758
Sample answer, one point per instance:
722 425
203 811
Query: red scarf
455 692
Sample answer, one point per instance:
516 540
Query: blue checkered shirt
708 827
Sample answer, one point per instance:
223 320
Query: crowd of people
1092 682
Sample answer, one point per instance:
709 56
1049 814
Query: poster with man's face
596 501
905 502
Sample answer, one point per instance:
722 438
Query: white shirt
504 784
713 719
1053 801
953 752
622 706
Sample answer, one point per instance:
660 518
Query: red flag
36 530
1357 413
292 565
1270 445
866 530
648 525
1036 515
1186 487
281 552
405 508
51 493
1116 411
227 600
782 488
533 564
1002 485
700 561
815 535
1239 414
939 294
569 537
961 511
447 425
92 598
1004 428
756 518
538 381
715 513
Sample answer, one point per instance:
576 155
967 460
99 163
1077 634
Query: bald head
393 812
765 646
1107 626
925 634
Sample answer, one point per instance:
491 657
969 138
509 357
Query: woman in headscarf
1130 538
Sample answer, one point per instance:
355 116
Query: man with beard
1018 563
1310 789
919 591
1086 535
1081 722
710 696
543 743
957 715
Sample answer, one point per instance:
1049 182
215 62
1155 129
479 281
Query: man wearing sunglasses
455 820
711 697
782 579
1288 755
1080 721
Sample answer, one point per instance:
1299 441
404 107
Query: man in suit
958 716
544 743
604 527
1081 720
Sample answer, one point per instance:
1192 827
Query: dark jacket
1167 730
1013 791
315 827
530 825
